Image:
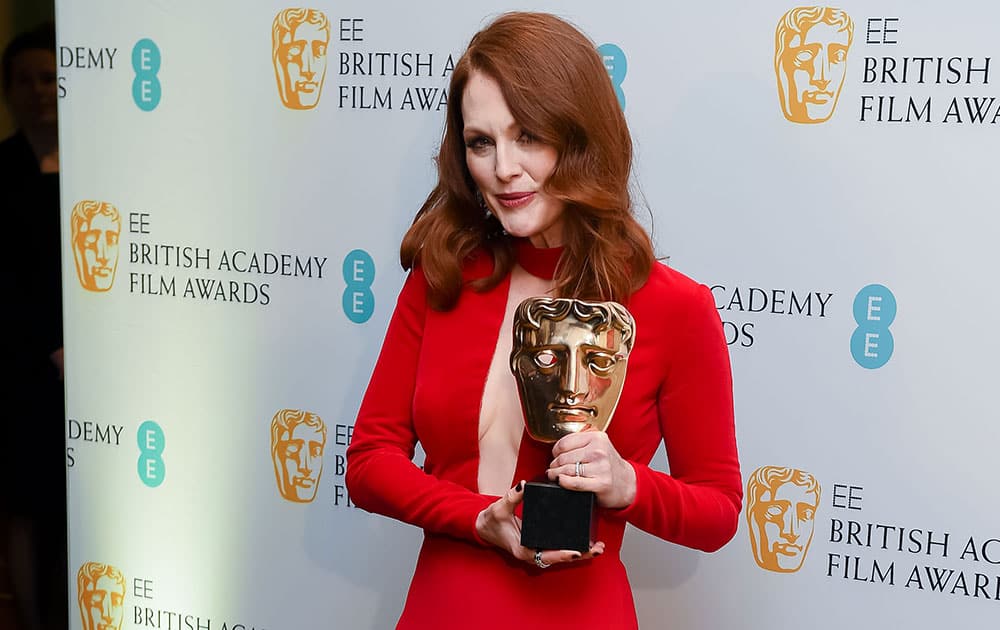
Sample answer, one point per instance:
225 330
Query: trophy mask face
569 359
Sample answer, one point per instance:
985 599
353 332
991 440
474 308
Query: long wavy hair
557 88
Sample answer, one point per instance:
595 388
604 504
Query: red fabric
427 387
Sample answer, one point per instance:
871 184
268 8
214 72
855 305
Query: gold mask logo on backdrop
101 596
810 61
300 38
95 227
781 514
298 439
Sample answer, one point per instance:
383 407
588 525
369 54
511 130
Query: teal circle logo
359 274
146 57
146 89
151 441
616 64
872 343
146 92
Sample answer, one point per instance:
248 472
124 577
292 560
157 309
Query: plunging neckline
501 421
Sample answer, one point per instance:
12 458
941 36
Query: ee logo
874 312
151 443
359 273
617 67
146 90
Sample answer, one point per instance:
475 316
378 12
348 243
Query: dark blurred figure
33 457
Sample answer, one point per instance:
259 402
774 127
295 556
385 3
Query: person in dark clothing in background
33 457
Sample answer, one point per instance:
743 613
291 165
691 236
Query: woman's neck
539 262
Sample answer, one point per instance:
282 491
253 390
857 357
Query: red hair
557 88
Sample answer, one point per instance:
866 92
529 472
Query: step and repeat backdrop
236 180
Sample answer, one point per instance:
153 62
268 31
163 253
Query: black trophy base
556 518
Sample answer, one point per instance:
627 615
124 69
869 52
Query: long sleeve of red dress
381 476
698 504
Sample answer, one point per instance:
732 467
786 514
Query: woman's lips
515 200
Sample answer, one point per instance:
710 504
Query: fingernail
517 488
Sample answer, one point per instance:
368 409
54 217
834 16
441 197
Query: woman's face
509 165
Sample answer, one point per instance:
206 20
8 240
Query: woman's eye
478 143
804 56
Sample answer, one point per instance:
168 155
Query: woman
532 199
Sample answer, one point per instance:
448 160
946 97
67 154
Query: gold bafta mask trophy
569 359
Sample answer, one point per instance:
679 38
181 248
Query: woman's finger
543 559
508 502
573 441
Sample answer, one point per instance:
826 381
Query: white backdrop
171 114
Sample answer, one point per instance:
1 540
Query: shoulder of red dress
666 285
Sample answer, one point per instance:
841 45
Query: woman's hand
588 461
498 525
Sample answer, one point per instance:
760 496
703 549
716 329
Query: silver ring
538 560
579 468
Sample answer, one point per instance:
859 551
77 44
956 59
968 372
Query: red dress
427 386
